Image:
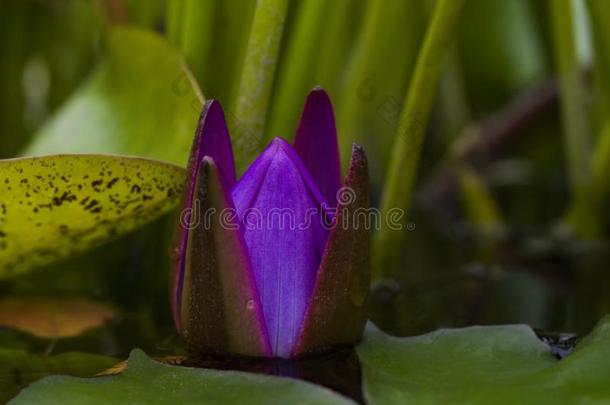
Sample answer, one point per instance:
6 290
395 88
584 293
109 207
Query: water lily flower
272 264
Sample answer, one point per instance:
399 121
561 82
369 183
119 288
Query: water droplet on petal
250 305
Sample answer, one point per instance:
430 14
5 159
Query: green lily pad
18 368
494 364
146 381
55 206
141 100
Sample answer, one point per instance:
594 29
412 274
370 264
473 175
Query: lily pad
18 368
141 100
146 381
494 364
55 206
53 318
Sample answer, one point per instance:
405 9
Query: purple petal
337 312
316 143
280 209
211 139
220 307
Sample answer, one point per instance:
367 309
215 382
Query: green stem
255 81
573 116
197 39
600 24
411 131
296 68
311 57
175 9
377 77
481 208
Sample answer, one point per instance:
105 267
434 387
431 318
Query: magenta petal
211 139
220 307
280 212
337 312
316 143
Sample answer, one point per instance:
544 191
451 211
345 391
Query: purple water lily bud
276 263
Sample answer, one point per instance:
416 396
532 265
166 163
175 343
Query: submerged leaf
53 318
55 206
147 381
492 364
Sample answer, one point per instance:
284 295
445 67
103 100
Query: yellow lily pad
52 207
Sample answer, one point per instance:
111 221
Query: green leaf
377 78
191 29
213 35
600 24
493 364
146 105
146 381
146 13
311 57
55 206
409 137
574 118
481 208
246 117
501 49
18 368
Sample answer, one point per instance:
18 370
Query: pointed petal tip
213 107
278 141
318 90
316 142
357 149
207 161
318 97
210 107
212 139
358 158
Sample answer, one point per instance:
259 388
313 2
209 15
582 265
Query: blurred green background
508 219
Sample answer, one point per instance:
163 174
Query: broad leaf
18 368
53 318
140 101
146 381
54 206
494 364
